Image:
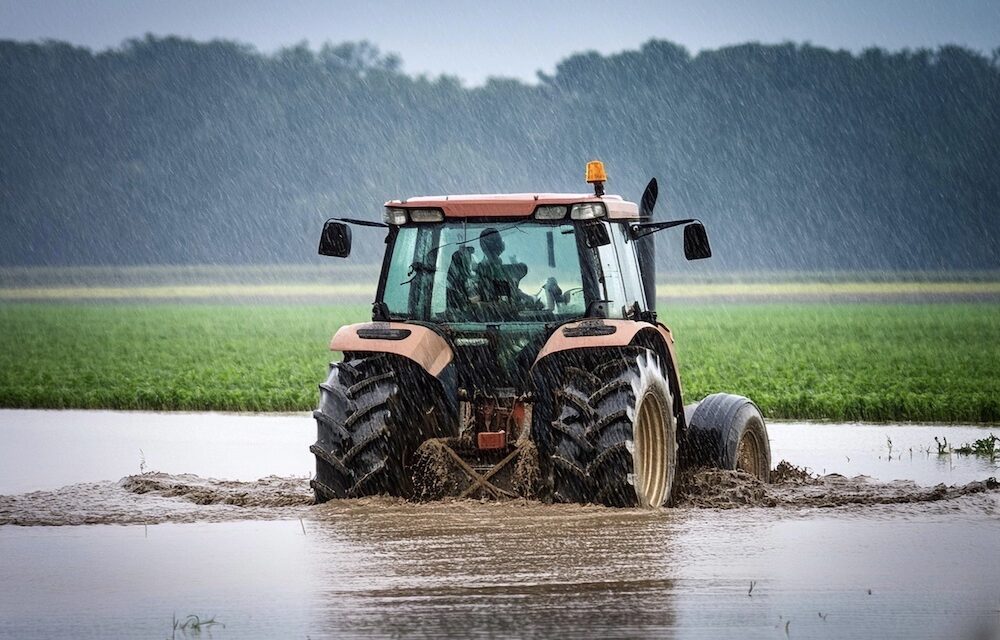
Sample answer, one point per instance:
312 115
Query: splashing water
649 376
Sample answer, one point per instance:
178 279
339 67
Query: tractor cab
495 286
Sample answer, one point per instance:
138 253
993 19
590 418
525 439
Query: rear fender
413 342
602 334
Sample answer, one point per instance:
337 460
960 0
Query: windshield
461 271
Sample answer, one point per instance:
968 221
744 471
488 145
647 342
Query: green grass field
938 362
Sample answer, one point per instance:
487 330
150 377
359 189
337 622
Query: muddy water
833 556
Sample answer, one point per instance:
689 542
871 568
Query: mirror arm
362 223
380 312
644 229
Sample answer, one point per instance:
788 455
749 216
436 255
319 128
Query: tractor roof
514 205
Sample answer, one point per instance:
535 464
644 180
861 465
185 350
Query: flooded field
210 515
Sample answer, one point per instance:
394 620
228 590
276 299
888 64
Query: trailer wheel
616 435
364 426
728 431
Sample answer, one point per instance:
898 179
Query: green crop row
937 362
864 362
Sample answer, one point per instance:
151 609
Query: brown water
833 556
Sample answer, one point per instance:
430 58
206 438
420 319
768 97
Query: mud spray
155 497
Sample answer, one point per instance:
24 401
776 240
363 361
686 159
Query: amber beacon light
596 176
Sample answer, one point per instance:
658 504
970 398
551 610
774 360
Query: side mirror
696 245
335 240
595 234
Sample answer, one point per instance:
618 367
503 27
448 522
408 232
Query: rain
336 320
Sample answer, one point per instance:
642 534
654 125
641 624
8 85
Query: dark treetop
172 151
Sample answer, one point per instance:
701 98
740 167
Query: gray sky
475 39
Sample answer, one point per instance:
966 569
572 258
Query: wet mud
438 474
154 497
794 487
269 492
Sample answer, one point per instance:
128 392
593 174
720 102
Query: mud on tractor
514 351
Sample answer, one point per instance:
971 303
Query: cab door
628 263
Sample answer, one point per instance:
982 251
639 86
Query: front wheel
728 432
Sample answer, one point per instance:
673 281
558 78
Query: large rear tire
728 431
367 430
614 439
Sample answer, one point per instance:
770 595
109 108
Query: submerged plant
194 624
942 446
985 447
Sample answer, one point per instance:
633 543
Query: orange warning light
595 172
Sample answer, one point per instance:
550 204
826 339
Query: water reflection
476 569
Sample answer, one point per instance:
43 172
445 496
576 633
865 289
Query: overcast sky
476 39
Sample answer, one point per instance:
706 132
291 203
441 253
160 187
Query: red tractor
514 350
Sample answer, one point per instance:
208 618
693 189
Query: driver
496 281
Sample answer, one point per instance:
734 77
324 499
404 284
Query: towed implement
515 351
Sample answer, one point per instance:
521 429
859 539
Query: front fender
416 343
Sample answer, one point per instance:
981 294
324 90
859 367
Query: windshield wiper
418 269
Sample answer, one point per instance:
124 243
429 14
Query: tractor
515 352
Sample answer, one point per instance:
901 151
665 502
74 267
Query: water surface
262 561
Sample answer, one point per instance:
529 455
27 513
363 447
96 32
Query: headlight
588 211
394 216
550 212
426 215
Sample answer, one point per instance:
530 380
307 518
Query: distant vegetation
837 362
167 151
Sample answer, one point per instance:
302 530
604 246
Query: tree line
170 151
